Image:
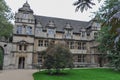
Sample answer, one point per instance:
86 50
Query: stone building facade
32 34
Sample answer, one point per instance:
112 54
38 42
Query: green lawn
80 74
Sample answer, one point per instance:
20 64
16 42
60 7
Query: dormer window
51 31
83 34
68 33
51 28
25 16
38 30
68 30
95 35
88 33
29 30
19 30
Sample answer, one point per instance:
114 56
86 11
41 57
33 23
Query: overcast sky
54 8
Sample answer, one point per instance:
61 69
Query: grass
80 74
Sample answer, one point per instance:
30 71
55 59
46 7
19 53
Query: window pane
40 43
19 30
79 45
83 34
25 47
46 43
29 30
50 31
20 47
81 58
39 58
68 34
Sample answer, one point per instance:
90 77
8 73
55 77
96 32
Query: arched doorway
1 57
21 63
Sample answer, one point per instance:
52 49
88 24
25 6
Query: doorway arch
21 63
1 57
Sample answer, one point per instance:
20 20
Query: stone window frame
71 44
46 42
81 58
19 29
51 31
83 33
79 45
83 45
39 56
40 43
29 30
95 35
39 29
22 47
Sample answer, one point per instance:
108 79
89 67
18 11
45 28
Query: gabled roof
61 23
51 24
68 26
26 8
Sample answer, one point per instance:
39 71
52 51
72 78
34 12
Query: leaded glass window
19 30
29 30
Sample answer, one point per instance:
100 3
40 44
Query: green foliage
57 57
114 57
108 11
109 17
105 39
80 74
5 17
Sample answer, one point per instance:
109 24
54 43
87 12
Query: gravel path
16 74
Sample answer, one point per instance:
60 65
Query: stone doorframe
21 63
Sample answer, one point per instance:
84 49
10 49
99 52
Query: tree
110 11
84 4
109 37
5 24
57 57
5 17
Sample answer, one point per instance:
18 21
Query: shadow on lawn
63 73
57 74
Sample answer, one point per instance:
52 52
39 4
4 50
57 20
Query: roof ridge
61 18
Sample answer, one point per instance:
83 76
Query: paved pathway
16 74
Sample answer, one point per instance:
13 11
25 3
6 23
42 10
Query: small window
38 30
95 35
79 45
20 47
81 58
50 31
46 43
83 34
25 16
83 45
68 33
40 43
25 47
39 58
29 30
70 44
88 33
19 30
